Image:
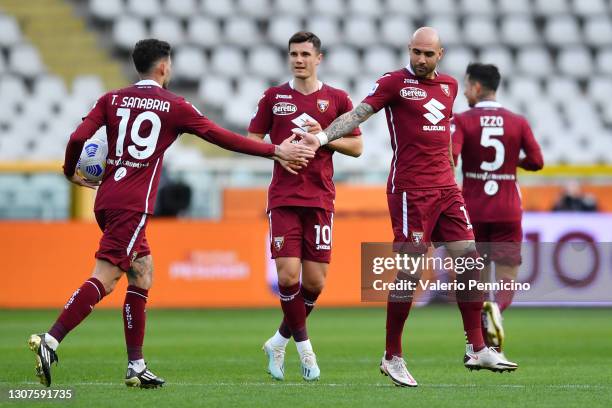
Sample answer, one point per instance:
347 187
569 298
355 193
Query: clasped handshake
294 152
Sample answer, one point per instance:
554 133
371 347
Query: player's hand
80 181
308 139
294 152
312 126
291 166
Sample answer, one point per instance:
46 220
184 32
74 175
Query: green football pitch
214 358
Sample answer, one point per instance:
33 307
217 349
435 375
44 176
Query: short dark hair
305 36
147 52
487 74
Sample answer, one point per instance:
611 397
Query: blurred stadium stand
57 56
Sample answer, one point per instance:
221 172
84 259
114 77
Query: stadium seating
555 56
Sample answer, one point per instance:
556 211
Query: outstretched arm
341 126
291 166
345 123
350 146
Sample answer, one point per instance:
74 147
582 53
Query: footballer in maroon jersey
300 206
490 139
141 121
425 203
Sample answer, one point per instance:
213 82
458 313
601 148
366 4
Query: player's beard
166 83
423 71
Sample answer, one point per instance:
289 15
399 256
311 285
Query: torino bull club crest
278 243
322 105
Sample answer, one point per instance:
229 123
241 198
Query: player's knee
108 274
109 284
314 286
461 248
287 279
288 270
140 273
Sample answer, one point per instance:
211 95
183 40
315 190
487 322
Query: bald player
425 203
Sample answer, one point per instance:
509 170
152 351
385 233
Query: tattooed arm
342 125
345 123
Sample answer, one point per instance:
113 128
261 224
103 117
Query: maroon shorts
422 217
301 232
123 239
500 241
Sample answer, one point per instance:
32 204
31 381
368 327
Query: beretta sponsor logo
412 93
284 108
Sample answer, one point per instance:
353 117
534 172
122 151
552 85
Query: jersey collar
291 85
409 68
488 104
147 82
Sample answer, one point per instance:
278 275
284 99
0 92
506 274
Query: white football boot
493 323
310 369
276 360
397 371
488 359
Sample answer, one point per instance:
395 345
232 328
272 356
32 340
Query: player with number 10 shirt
301 205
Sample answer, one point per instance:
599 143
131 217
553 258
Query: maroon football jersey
281 109
489 139
142 121
418 116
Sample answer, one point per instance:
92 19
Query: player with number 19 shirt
141 121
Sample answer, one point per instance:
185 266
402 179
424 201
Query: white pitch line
323 384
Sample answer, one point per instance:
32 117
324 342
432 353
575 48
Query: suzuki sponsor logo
284 108
413 93
435 109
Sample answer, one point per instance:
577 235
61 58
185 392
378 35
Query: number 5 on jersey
148 143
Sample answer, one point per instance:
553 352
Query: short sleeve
456 138
455 92
261 122
97 114
382 93
191 120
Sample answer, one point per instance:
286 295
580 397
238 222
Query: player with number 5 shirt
490 139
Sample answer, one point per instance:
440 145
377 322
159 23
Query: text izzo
486 121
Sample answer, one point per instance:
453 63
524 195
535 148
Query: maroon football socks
310 298
503 298
134 318
469 302
294 309
78 307
399 303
